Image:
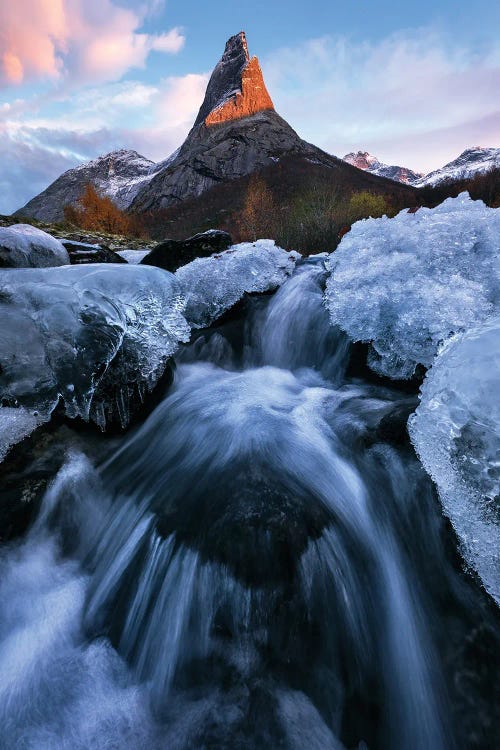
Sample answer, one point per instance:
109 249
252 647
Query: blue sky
414 84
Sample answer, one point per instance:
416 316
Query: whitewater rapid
255 566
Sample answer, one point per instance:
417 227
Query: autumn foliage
313 219
258 215
96 212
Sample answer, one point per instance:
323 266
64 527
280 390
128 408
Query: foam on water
246 570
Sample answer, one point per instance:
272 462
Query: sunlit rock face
236 88
361 159
237 132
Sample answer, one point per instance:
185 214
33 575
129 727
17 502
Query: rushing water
260 565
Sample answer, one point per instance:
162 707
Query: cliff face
236 88
252 98
237 132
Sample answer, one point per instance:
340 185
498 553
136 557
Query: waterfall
245 571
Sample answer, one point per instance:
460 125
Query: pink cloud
79 39
180 99
35 150
12 67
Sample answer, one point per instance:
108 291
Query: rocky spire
236 88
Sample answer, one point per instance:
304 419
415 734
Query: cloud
79 40
35 150
414 99
399 98
31 158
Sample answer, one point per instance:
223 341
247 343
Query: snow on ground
456 431
24 246
133 256
409 283
213 285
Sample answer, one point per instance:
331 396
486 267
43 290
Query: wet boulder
84 252
249 521
171 254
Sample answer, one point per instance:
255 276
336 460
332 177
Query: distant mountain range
237 132
472 161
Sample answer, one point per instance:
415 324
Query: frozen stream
261 564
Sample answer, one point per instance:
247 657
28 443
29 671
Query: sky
413 83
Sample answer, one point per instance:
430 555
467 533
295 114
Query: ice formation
456 431
15 425
93 336
24 246
213 285
409 283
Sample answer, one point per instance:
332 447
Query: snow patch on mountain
369 163
120 175
472 161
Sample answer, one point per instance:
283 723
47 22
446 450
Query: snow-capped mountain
367 162
236 133
472 161
119 174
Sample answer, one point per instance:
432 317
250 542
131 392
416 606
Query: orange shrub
97 212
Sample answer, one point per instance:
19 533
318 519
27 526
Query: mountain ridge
237 132
119 174
474 160
369 163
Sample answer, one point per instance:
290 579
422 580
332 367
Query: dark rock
83 252
393 428
358 368
32 464
249 521
171 254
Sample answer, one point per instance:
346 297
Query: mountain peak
369 163
361 159
236 88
